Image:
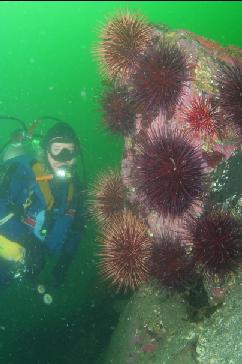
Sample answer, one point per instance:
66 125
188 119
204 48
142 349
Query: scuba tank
15 148
22 141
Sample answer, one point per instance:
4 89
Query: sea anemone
119 115
171 264
202 116
126 251
230 88
216 241
107 197
124 38
159 81
168 172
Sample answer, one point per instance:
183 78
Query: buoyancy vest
38 187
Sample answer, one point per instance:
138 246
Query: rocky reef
170 219
156 327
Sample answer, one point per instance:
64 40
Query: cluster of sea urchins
168 172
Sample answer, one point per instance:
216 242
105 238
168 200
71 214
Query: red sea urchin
123 39
126 251
230 88
168 172
216 240
119 115
158 83
107 198
171 264
202 116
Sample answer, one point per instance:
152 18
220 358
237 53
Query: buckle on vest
70 212
29 221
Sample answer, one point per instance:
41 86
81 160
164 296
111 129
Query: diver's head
62 146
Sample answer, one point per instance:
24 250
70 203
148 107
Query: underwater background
48 67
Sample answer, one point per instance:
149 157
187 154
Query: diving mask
65 155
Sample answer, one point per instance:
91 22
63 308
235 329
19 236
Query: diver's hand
11 251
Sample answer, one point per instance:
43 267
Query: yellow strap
11 251
38 169
47 177
43 182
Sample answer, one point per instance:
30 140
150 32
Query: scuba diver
41 207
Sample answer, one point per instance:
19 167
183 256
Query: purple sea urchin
230 88
119 115
168 172
171 264
159 80
216 240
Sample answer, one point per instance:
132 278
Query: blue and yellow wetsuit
38 214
